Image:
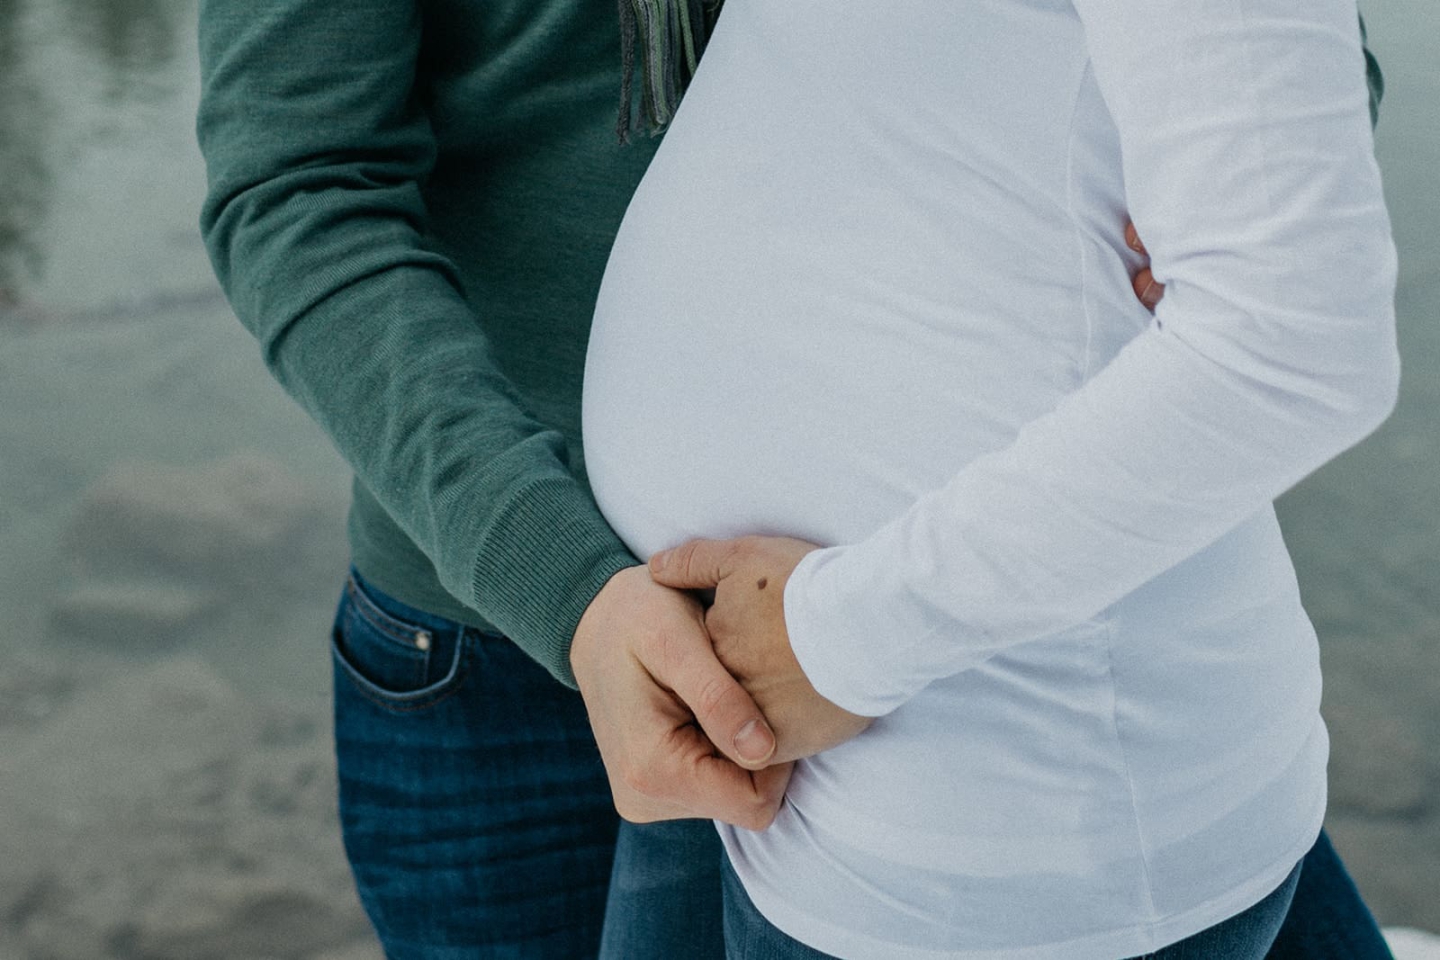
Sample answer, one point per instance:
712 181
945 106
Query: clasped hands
701 711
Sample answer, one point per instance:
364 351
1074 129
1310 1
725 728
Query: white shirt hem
1131 941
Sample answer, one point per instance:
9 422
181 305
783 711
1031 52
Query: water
128 389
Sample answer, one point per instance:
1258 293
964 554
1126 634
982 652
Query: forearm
1272 351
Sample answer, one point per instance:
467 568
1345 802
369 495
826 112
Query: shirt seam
1077 236
1143 848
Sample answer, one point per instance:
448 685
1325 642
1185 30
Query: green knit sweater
410 206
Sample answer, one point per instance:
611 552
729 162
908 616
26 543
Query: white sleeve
1249 171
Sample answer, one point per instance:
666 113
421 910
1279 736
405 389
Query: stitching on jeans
396 704
392 626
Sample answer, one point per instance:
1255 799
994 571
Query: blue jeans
665 893
1326 917
1328 920
474 808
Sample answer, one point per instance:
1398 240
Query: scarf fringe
670 36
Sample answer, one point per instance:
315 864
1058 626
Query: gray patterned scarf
671 35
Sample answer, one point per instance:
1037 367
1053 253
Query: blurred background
171 535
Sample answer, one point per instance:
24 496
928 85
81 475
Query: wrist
593 617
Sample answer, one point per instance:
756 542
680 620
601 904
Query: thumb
726 713
693 565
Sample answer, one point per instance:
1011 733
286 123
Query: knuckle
673 652
679 557
690 560
713 696
633 781
661 646
639 779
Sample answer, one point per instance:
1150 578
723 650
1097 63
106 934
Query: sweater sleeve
317 144
1249 170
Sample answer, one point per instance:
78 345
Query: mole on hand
762 583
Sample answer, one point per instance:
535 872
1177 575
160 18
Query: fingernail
1148 296
755 742
658 559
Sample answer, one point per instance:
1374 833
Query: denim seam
369 611
420 699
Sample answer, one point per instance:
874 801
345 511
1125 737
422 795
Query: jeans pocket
391 659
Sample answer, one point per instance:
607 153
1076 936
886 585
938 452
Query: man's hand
747 627
648 675
1143 283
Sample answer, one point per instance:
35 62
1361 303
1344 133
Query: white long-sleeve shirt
873 293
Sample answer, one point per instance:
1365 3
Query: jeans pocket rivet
422 640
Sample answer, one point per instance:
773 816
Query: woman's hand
747 626
1143 282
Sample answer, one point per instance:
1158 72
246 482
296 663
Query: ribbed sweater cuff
542 560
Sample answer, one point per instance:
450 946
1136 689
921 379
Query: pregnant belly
761 395
804 326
